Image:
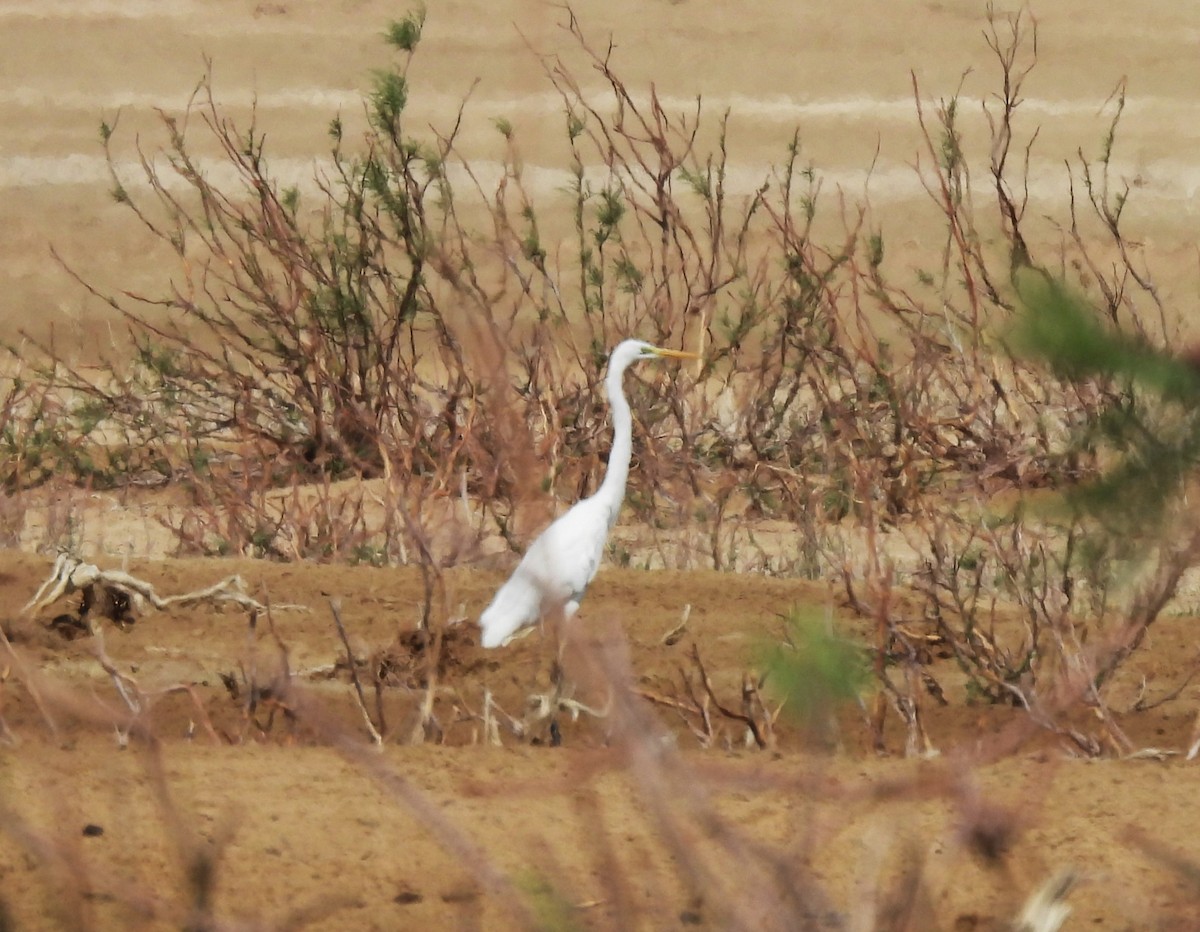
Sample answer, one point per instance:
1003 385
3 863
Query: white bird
558 566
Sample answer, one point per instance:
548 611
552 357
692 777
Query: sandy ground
297 819
301 815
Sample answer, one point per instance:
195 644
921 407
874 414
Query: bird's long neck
612 489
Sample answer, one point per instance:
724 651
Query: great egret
558 566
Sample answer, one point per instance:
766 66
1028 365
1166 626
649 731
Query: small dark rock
92 831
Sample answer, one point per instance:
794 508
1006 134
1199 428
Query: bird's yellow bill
676 354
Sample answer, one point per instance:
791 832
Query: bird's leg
545 706
558 678
542 704
559 698
563 696
565 701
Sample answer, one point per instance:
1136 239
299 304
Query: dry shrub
375 378
390 384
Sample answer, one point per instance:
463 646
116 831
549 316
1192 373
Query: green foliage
404 34
951 151
813 670
1060 328
575 126
388 100
290 198
1150 425
875 250
609 213
368 555
552 911
699 181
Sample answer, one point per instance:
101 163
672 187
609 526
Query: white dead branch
72 575
1047 909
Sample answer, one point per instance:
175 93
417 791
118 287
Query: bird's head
633 350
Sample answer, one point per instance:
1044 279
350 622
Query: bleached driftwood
73 575
1047 909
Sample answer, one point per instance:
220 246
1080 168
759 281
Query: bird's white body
559 565
554 573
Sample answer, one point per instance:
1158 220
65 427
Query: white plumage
557 567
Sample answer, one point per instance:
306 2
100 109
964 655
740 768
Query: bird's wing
554 572
565 558
516 605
